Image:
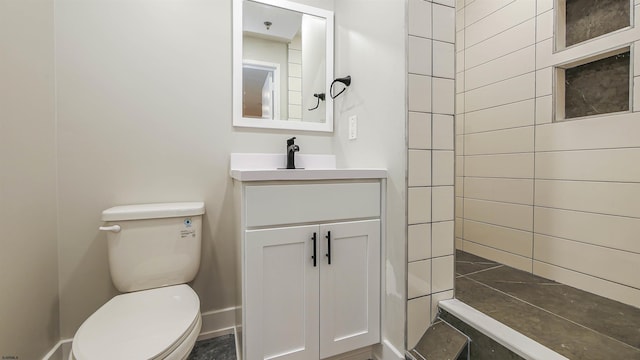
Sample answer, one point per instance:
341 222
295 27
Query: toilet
154 250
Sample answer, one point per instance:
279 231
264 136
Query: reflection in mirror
285 61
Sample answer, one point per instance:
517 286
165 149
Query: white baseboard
386 351
59 351
214 323
218 322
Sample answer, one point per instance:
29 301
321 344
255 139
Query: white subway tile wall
431 59
532 193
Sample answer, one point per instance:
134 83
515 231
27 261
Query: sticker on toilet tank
187 222
187 233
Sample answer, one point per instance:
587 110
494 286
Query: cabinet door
281 294
349 286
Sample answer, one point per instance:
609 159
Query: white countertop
307 174
268 167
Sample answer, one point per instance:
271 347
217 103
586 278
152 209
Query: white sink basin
270 167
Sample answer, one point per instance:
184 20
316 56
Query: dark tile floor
218 348
441 341
572 322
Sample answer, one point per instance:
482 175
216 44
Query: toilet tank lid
153 211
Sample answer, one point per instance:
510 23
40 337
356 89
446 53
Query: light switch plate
353 127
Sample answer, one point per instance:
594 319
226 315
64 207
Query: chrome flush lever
112 228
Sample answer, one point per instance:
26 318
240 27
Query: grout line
502 80
553 314
498 105
590 275
588 212
501 129
489 14
494 59
585 243
501 250
483 270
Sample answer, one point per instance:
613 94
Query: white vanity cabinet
310 267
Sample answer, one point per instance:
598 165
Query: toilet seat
149 324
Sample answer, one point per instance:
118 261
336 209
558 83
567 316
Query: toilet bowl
154 250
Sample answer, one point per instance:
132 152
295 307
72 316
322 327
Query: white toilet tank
156 245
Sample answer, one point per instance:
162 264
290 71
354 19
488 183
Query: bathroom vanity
309 258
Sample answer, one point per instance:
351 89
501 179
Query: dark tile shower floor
572 322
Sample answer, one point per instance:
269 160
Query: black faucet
291 150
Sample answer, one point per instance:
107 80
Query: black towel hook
344 80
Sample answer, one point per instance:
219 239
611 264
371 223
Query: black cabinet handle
328 246
314 250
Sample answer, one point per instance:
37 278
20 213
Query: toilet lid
138 325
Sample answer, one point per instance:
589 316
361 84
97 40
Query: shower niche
599 81
578 21
594 86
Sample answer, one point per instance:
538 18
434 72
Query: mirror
282 65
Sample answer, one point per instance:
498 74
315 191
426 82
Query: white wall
144 112
558 199
29 325
374 56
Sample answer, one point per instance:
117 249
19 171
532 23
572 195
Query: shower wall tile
443 167
613 198
458 228
419 93
592 165
605 132
443 203
419 205
441 235
589 283
444 28
507 239
443 59
543 6
443 132
418 319
443 269
419 242
419 167
544 110
617 232
443 96
500 117
517 140
501 93
502 68
436 298
419 18
518 191
498 213
544 26
519 166
609 264
419 279
419 130
497 22
478 10
504 43
419 55
497 255
544 81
